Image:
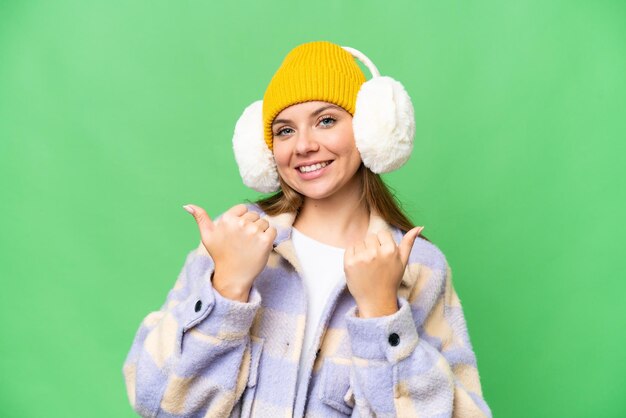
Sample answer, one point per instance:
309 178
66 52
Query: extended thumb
407 243
205 224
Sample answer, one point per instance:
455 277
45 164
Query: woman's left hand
374 270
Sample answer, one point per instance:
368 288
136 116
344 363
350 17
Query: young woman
321 300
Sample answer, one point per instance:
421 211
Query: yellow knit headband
312 71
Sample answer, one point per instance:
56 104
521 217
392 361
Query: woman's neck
337 220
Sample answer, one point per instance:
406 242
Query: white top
322 269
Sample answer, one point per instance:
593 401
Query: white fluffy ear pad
255 160
384 124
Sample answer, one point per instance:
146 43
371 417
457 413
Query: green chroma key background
113 114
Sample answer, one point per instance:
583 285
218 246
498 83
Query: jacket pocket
247 399
334 387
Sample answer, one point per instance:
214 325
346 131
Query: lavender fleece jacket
203 355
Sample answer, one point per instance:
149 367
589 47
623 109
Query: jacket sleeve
418 361
191 357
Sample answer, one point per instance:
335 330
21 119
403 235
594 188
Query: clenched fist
239 243
374 270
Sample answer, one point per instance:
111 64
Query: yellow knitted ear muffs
383 117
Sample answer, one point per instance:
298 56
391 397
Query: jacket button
198 306
394 339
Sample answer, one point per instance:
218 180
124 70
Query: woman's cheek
280 155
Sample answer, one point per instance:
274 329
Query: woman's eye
327 121
284 131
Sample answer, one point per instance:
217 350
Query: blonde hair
375 193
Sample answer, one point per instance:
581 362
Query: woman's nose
305 142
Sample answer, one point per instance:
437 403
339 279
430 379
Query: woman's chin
320 191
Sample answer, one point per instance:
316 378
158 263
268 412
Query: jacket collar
284 246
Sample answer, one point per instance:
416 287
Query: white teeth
314 167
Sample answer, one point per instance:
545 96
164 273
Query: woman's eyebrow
315 113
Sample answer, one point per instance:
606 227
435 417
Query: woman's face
314 148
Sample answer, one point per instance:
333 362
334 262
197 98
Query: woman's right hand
239 243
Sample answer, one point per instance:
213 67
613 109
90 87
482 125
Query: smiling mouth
313 167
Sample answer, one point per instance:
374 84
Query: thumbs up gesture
374 269
239 243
